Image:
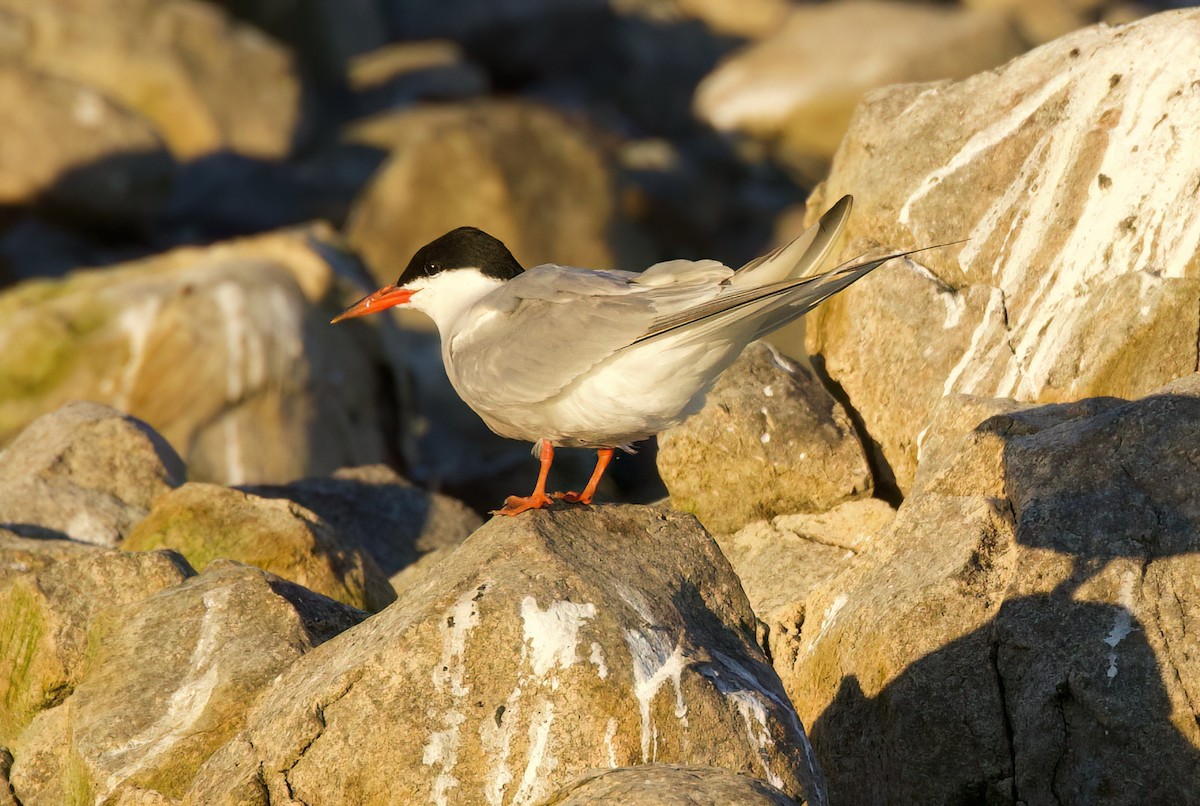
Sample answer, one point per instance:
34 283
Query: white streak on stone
654 664
1122 624
496 733
186 705
610 733
541 762
442 750
835 607
137 321
552 635
456 623
597 660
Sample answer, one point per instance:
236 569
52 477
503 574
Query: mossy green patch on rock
205 522
28 676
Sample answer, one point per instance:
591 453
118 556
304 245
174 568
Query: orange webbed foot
574 497
516 504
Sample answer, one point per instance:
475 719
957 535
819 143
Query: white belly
630 397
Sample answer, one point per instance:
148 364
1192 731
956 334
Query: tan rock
404 529
86 472
1043 20
1081 273
668 785
535 181
104 161
169 686
769 441
801 84
779 562
53 594
206 82
545 646
1019 633
205 522
225 350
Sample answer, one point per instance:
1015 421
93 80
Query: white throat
446 297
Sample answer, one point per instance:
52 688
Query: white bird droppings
654 664
1122 624
552 635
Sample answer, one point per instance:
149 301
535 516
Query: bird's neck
446 298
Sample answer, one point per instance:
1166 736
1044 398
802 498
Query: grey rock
405 529
86 472
526 658
170 685
769 441
1080 277
54 596
1020 633
668 785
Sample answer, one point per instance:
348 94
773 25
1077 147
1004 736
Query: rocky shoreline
942 554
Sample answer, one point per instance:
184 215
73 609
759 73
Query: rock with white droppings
169 685
85 472
799 86
1020 632
1065 170
405 529
52 594
225 350
718 466
206 522
668 785
546 645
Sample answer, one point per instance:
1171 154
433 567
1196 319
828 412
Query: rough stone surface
1021 632
769 441
1065 170
52 594
225 350
779 562
801 84
103 161
206 83
536 182
526 658
170 685
205 522
86 472
668 785
403 528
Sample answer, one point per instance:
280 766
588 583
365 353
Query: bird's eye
431 267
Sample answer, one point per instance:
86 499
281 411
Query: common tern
569 357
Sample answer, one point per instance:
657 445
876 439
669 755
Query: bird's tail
800 256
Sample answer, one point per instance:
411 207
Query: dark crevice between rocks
1006 718
1061 696
1196 367
886 488
6 762
1008 330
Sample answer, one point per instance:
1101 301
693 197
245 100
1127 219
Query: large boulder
1080 277
207 522
104 161
169 685
668 785
53 594
516 170
225 350
800 85
85 472
404 529
769 441
1020 633
526 658
206 83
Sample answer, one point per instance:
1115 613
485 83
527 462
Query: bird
582 358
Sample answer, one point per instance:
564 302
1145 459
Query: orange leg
515 504
603 457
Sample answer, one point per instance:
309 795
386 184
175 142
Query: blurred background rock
187 150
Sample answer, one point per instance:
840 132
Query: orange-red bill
387 297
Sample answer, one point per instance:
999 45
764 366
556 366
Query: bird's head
446 273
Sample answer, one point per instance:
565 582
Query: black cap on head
465 247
